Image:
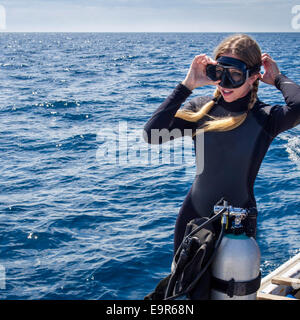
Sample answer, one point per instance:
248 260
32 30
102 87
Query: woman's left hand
271 69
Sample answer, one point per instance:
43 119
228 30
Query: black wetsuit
231 158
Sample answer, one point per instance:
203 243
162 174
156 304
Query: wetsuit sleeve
163 126
286 117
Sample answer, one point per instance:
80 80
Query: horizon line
4 31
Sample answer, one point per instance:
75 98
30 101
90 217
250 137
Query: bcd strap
250 222
236 288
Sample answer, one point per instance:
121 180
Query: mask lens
211 72
232 77
236 75
214 72
219 72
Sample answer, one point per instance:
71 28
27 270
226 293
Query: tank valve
234 217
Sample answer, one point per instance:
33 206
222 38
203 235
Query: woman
238 127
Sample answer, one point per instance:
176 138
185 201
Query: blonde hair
247 50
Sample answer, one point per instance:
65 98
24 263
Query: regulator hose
193 284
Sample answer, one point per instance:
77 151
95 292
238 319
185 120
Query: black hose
215 217
191 286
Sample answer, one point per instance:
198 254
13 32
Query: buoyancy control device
210 266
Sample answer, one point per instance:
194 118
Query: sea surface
84 214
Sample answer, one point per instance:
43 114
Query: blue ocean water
78 222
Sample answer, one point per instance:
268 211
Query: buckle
240 289
230 288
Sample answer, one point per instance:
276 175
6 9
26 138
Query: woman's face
230 95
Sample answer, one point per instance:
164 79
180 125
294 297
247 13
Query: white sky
150 15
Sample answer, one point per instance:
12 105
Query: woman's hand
271 70
196 76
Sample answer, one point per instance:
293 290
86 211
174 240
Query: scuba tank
236 266
217 267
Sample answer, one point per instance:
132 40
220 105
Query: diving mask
232 72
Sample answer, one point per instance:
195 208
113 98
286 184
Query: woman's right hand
196 76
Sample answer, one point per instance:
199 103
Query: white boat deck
280 282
